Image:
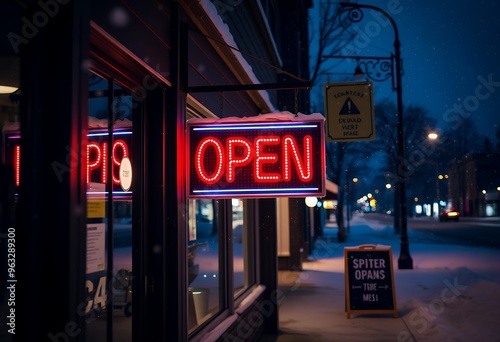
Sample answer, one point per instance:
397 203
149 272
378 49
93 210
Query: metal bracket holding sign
349 111
369 280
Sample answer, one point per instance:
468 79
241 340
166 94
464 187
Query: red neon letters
265 152
100 158
96 160
17 163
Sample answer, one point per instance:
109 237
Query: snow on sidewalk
451 294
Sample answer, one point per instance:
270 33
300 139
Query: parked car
449 214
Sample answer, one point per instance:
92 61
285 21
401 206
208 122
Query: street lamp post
391 66
434 136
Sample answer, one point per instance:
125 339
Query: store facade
473 188
109 246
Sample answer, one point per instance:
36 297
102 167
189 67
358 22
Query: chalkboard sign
369 280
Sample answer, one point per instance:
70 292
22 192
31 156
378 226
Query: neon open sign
257 159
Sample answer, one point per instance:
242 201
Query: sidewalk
449 295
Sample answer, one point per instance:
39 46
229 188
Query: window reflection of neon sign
97 159
256 159
97 156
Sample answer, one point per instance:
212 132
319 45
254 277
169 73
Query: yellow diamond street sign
349 111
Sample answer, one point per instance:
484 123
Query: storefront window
203 262
243 255
206 254
109 212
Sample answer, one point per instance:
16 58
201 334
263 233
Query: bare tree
335 153
460 139
328 37
341 158
421 154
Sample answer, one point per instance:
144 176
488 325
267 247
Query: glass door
109 212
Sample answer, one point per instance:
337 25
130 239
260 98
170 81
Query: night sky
451 57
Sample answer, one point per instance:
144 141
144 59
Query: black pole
405 261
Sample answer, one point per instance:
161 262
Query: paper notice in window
96 251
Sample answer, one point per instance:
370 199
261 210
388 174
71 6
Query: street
468 231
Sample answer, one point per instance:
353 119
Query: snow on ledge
269 117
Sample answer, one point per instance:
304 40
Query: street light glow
432 135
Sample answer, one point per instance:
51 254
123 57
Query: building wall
469 177
150 54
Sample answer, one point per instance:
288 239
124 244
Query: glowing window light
7 89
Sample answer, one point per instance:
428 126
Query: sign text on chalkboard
369 280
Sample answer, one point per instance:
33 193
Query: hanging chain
296 101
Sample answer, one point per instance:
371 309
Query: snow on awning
270 117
